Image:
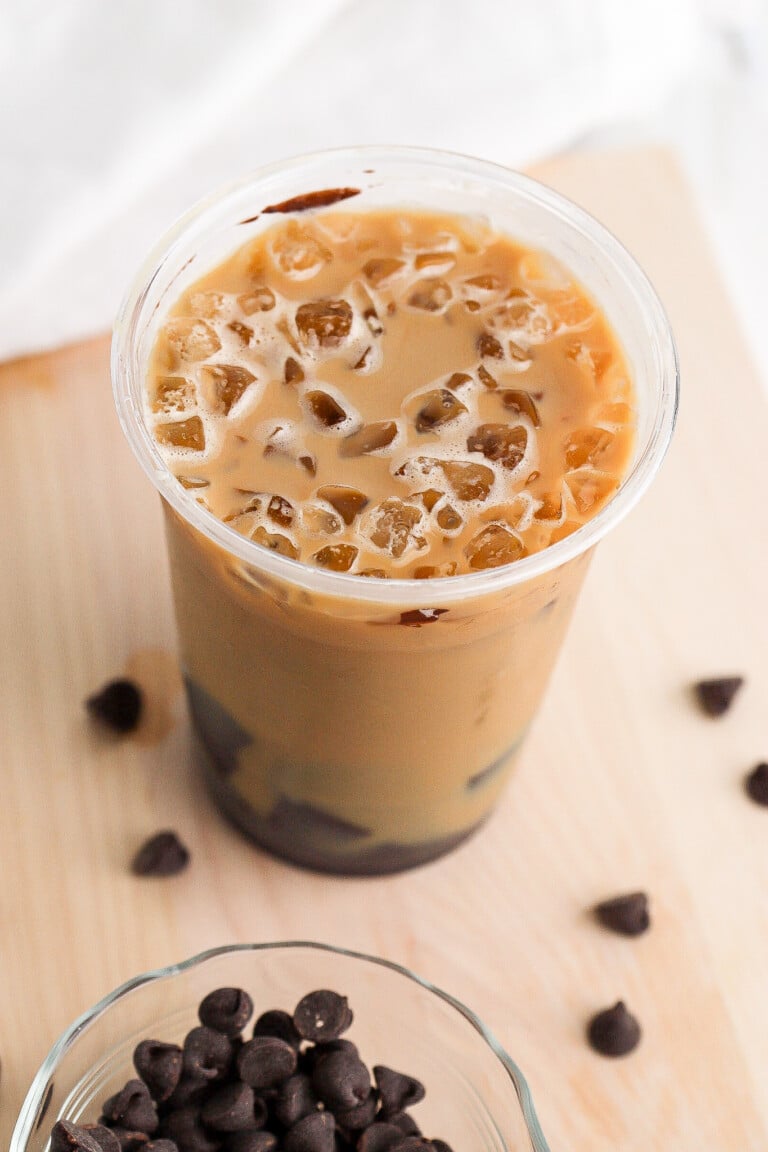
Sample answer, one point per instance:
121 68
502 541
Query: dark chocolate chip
189 1090
228 1010
756 784
716 696
161 1145
320 199
162 855
396 1090
614 1032
411 1144
341 1079
265 1062
322 1015
251 1140
295 1100
440 1145
104 1137
279 1024
627 915
405 1122
132 1108
230 1109
185 1128
159 1066
67 1137
117 705
208 1054
415 617
379 1137
130 1141
359 1117
315 1133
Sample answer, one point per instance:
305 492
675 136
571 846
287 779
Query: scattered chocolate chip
295 1100
279 1024
66 1137
405 1122
627 915
117 705
379 1137
341 1080
130 1140
265 1062
412 1144
207 1054
162 855
104 1137
315 1133
440 1145
415 617
132 1108
190 1090
251 1140
756 784
159 1066
230 1109
614 1032
185 1129
396 1090
228 1010
716 696
360 1116
322 1015
320 199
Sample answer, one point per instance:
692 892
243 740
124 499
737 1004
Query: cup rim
25 1123
396 590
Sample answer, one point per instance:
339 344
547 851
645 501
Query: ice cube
298 253
348 502
429 497
524 318
258 300
449 519
431 571
323 323
587 446
563 530
293 373
275 541
225 384
469 481
174 394
242 331
182 434
551 507
593 361
369 438
617 412
193 482
434 261
381 268
336 557
500 442
522 403
489 347
392 526
192 340
493 547
431 294
281 511
375 573
590 489
571 311
325 409
439 407
485 282
209 305
459 380
319 521
486 379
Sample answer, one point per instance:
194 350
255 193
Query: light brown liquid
393 395
358 736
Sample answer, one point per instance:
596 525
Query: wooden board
622 783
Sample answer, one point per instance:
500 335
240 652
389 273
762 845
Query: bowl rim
27 1120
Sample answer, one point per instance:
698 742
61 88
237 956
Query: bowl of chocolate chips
291 1047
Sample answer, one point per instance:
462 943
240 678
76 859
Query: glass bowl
477 1099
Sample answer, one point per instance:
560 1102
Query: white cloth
116 117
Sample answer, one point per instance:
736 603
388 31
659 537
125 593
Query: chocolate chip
627 915
185 1129
614 1032
162 855
129 1140
379 1137
322 1015
341 1079
396 1090
295 1100
189 1090
354 1119
228 1010
104 1137
117 705
440 1145
756 784
251 1140
716 696
279 1024
67 1137
405 1122
207 1054
159 1066
411 1144
132 1108
161 1145
265 1062
230 1109
315 1133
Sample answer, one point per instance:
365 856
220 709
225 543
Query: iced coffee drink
385 412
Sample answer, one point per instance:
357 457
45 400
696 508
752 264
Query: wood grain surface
622 784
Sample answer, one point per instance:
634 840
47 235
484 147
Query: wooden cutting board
622 784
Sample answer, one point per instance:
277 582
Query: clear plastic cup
364 726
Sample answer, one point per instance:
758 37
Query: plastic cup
364 726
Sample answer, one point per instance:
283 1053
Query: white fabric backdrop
115 117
